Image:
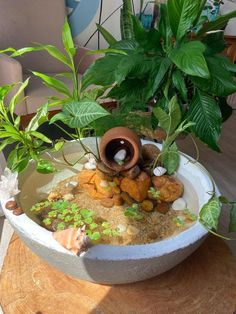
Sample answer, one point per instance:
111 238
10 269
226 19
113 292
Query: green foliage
210 213
133 212
168 61
28 143
126 20
106 35
179 221
154 192
68 215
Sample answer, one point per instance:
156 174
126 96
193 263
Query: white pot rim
23 224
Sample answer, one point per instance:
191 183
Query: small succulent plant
133 212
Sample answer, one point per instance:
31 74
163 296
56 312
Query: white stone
72 184
131 230
121 228
90 166
68 197
104 184
179 204
159 171
118 264
120 155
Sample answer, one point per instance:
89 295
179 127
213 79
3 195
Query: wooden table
203 283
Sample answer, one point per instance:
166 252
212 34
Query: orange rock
104 190
137 188
107 202
85 176
170 188
118 200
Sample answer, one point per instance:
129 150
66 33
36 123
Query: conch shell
73 239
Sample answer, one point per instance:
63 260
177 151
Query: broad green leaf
68 40
183 15
104 72
171 159
127 45
80 114
214 42
221 82
163 118
189 58
205 112
54 83
22 164
164 27
179 83
40 117
106 35
17 97
163 69
232 223
217 24
45 166
210 213
41 136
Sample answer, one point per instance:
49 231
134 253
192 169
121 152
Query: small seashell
104 184
71 184
121 228
90 166
159 171
131 230
179 204
68 197
120 155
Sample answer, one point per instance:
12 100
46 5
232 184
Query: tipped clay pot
123 142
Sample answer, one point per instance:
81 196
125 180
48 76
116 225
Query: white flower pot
110 264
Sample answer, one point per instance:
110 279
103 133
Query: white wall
227 7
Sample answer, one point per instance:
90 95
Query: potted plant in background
131 191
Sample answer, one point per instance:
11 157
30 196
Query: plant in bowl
128 208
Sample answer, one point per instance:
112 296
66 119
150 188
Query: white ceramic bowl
110 264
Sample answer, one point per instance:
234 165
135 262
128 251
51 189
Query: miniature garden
170 81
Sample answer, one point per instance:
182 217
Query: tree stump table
204 283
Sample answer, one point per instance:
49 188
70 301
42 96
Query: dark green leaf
179 83
205 112
164 26
225 108
126 20
232 224
106 35
217 24
210 213
189 58
45 166
221 82
163 69
214 42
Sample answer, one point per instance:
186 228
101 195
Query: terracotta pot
118 139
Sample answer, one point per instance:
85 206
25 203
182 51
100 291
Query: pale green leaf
171 158
41 136
18 96
106 35
210 213
68 40
39 118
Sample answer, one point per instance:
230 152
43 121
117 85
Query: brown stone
131 173
170 188
105 170
150 153
160 134
147 206
127 199
18 211
118 200
107 202
138 188
163 207
152 235
11 205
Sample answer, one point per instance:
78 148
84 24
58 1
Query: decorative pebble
18 211
71 184
121 228
120 155
131 230
11 205
179 204
159 171
104 184
90 166
92 160
68 197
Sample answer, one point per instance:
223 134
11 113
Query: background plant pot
110 264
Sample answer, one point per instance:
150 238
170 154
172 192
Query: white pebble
159 171
71 184
179 204
90 166
120 155
104 184
131 230
92 160
121 228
